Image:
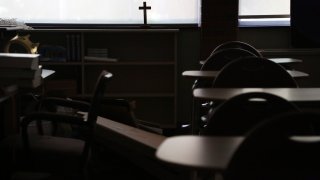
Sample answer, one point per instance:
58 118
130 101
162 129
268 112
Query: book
20 73
103 59
19 60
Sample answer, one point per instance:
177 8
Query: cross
145 8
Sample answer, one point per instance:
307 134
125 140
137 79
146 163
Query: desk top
285 60
205 152
46 73
198 152
213 74
145 141
291 94
278 60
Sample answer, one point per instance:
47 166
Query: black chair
272 150
63 157
238 44
116 109
253 72
216 62
241 113
219 59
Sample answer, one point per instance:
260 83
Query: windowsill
264 22
110 26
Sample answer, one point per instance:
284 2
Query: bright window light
264 7
263 13
101 11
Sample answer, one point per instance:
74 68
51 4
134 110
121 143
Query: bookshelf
145 70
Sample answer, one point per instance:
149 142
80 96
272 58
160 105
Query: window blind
101 11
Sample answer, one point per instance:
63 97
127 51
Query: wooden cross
144 8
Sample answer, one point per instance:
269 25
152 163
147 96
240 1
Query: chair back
220 58
97 96
254 72
238 44
216 61
286 146
239 114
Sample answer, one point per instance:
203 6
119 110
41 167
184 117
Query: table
8 113
282 61
307 98
198 152
46 73
205 152
290 94
213 74
285 60
9 108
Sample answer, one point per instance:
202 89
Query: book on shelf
73 47
100 52
20 73
19 60
101 59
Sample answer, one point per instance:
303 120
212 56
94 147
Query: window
101 11
264 12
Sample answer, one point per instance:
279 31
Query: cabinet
145 73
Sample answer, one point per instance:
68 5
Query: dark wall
276 42
219 23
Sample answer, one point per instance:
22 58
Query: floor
107 164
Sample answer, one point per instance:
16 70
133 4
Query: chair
254 72
238 44
64 157
275 149
220 58
215 62
120 110
239 114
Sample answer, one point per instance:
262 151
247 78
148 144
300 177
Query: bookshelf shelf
46 63
145 71
131 63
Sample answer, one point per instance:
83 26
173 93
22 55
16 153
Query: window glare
264 7
101 11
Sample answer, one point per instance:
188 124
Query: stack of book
99 54
20 69
73 47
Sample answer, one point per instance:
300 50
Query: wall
219 20
266 38
276 42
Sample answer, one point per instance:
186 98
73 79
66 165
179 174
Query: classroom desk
10 105
198 152
136 145
8 117
213 74
46 73
282 61
204 152
304 98
290 94
285 60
